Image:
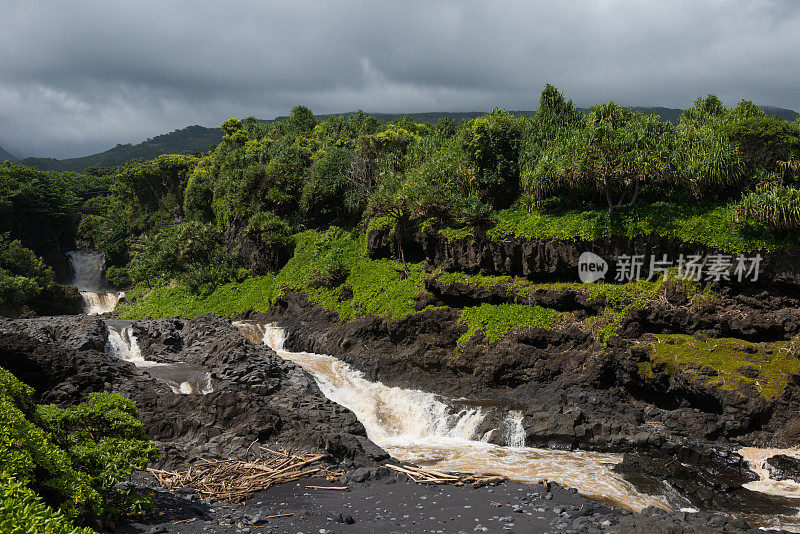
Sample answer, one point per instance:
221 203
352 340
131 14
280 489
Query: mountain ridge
199 138
6 155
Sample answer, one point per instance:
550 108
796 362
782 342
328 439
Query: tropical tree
492 143
616 154
707 160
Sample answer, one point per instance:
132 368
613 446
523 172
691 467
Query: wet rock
783 467
262 402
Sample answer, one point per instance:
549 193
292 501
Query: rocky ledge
672 424
258 396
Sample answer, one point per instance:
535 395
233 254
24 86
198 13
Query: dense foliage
59 467
206 220
36 207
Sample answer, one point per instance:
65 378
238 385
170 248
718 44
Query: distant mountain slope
5 155
189 139
199 139
787 114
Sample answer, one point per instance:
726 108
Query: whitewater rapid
181 378
445 434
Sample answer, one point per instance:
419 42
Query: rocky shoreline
671 427
393 504
259 397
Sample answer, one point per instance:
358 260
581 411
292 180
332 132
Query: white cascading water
122 344
425 429
88 268
789 489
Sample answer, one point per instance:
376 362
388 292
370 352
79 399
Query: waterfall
123 344
88 269
182 378
515 432
757 461
451 435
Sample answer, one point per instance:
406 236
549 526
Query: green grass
325 267
516 285
711 225
773 362
496 321
227 300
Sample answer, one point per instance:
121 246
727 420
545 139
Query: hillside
199 138
186 140
4 155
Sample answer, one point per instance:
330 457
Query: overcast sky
79 77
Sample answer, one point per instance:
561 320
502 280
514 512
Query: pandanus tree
707 160
615 155
492 143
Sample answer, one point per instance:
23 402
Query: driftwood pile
235 481
429 476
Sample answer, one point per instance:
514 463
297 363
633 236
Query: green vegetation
330 268
729 363
559 173
496 321
717 226
59 467
289 206
187 140
38 208
774 205
27 284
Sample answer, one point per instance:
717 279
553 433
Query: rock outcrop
259 396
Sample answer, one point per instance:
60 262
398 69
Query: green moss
454 234
711 225
645 370
496 321
768 366
226 300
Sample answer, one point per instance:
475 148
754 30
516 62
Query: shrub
707 160
24 278
619 153
774 205
272 231
190 252
554 120
765 140
492 143
327 192
60 466
199 195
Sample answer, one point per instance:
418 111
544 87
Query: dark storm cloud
81 76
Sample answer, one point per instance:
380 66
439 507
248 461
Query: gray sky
79 77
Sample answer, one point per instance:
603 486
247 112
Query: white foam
88 267
123 344
426 429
